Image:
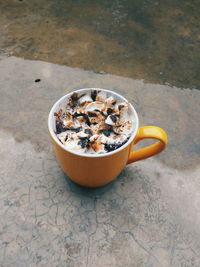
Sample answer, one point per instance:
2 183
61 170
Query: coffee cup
94 170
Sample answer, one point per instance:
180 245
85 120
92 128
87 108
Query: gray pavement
149 216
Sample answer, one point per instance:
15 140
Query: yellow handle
146 152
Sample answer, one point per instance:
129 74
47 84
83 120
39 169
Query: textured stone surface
149 216
157 41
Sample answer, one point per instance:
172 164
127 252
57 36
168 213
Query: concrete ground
157 41
150 215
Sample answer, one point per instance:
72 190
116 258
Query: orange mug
93 170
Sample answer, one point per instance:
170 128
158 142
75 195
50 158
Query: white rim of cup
54 136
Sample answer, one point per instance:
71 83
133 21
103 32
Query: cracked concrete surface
149 216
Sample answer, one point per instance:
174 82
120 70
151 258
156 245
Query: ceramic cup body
93 170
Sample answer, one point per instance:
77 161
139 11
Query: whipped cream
93 123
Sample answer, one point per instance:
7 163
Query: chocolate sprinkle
109 111
74 96
88 131
75 115
113 118
105 132
59 127
76 130
92 114
85 116
83 142
73 102
87 119
120 107
111 130
94 95
111 147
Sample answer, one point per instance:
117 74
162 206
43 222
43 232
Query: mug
93 170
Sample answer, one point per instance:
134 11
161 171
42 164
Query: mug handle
144 132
